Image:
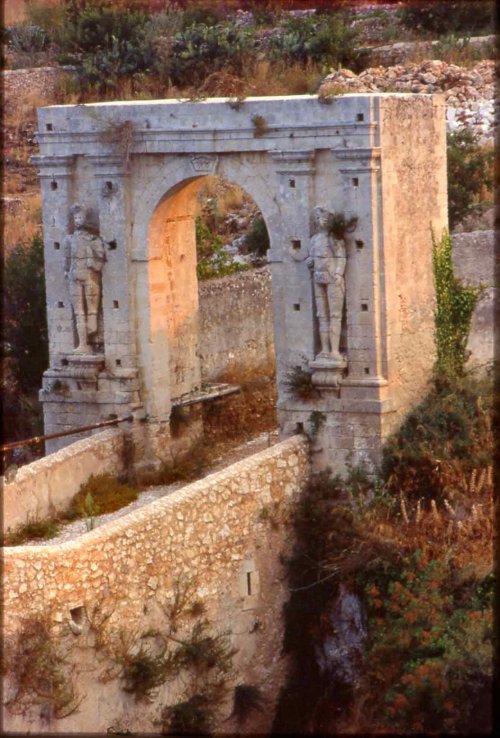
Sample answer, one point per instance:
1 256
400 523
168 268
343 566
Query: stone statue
327 259
84 259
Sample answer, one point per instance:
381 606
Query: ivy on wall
455 304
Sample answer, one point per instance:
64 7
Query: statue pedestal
327 372
86 362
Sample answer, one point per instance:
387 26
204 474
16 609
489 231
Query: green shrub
325 39
445 16
470 170
429 654
103 69
111 42
28 37
159 35
200 50
106 495
25 338
447 435
257 238
213 261
95 27
455 304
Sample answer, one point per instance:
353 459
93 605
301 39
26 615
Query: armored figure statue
84 259
327 259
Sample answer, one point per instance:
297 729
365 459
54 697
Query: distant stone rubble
469 93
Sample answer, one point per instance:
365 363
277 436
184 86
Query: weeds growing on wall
339 225
247 699
455 303
40 671
144 672
298 382
184 648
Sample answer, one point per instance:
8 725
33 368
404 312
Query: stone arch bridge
122 296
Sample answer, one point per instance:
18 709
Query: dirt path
72 531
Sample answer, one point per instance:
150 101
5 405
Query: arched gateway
134 168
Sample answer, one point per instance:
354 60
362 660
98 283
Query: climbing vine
455 303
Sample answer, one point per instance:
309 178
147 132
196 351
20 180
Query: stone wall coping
259 275
148 513
43 70
68 452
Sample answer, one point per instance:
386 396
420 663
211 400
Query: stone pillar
346 414
56 173
366 335
294 331
111 180
80 390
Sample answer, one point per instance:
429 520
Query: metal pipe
38 439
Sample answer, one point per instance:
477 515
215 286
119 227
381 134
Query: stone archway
133 166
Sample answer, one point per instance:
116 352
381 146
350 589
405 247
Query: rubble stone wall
474 261
225 534
46 486
236 323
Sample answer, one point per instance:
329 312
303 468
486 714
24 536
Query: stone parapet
45 487
215 533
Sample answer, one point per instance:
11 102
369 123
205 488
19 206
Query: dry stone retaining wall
236 322
215 532
475 262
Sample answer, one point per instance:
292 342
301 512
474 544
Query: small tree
25 338
470 170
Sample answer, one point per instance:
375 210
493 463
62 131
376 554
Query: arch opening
200 229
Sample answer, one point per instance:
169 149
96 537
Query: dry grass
264 80
232 421
21 219
451 52
21 110
458 529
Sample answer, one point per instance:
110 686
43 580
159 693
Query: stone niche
377 159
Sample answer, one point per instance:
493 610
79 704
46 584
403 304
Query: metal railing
38 439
